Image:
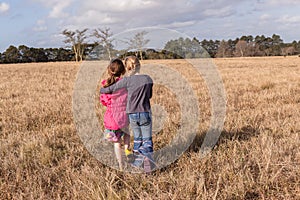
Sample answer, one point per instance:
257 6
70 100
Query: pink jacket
115 116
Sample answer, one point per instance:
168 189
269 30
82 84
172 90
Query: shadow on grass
243 134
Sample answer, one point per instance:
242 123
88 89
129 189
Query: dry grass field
256 157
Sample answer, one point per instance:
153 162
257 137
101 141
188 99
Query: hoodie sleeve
105 99
118 85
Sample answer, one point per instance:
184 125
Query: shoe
129 155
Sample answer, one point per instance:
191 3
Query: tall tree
276 45
25 53
185 48
193 49
231 47
12 55
245 47
211 46
240 48
77 41
104 35
288 51
176 47
296 46
248 38
64 55
138 43
223 50
38 55
276 39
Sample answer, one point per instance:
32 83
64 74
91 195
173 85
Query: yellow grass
257 156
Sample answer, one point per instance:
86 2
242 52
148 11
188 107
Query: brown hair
132 65
115 69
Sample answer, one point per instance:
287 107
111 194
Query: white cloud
219 12
4 7
282 3
287 20
57 7
263 21
126 14
265 17
119 5
93 17
40 26
40 22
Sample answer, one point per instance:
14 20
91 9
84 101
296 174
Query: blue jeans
141 125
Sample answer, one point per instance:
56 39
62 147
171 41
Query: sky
39 23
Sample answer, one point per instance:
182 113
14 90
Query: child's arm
104 99
120 84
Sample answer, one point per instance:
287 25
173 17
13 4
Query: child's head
115 70
132 65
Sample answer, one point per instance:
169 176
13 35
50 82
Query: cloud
40 26
4 7
126 14
289 20
93 18
219 12
283 3
265 17
119 5
57 7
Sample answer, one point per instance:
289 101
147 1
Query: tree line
78 49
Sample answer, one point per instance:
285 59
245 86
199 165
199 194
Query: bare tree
223 49
138 42
287 51
240 48
105 39
76 40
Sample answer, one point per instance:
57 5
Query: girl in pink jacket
115 117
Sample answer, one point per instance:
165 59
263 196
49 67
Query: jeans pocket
145 119
133 117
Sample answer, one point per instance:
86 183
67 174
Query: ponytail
110 80
115 69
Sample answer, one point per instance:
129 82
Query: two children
138 108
